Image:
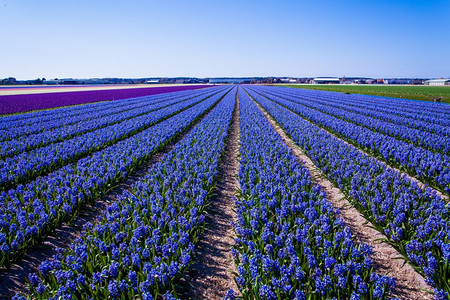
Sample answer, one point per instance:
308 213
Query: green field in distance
416 92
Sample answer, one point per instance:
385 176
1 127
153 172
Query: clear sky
131 38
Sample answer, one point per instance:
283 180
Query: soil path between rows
14 280
75 158
387 260
211 276
403 174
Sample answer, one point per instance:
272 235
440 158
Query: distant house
287 80
325 80
153 81
438 82
398 81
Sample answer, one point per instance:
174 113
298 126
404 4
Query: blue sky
80 39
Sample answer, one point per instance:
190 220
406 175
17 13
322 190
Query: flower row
432 168
66 116
95 121
420 110
27 165
416 221
418 118
55 100
291 243
425 139
144 241
30 211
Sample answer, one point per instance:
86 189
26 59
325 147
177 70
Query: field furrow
61 133
14 279
430 168
145 241
212 274
94 122
416 221
30 212
291 242
230 192
409 283
427 140
28 165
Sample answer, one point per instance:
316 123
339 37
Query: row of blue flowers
434 121
432 168
30 211
27 165
24 124
92 121
412 110
393 111
426 139
145 240
291 243
416 221
44 116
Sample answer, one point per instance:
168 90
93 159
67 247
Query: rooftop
326 78
439 80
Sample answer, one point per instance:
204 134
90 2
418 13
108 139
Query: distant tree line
13 81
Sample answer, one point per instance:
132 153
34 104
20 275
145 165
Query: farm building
153 81
288 80
325 80
438 82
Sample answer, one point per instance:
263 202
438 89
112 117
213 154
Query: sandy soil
211 275
412 178
387 260
13 280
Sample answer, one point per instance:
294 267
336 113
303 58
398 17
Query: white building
438 82
325 80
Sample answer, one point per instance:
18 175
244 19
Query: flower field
158 158
10 104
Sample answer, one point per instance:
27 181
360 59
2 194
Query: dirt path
14 280
211 275
384 256
412 178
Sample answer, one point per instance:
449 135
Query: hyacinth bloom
34 132
36 122
427 116
146 239
417 221
431 167
28 212
291 243
10 104
390 123
29 164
